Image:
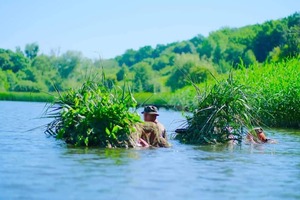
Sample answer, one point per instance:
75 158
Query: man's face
149 118
261 135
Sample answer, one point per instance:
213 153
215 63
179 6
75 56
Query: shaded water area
34 166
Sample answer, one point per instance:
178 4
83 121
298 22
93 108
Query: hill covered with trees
165 68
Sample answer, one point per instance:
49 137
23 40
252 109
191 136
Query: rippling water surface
34 166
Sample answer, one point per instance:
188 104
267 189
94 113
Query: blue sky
108 28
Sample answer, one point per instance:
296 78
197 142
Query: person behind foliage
259 137
154 133
150 115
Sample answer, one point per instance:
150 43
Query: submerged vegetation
94 115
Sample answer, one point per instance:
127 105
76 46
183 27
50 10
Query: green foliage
272 89
163 61
122 73
128 58
143 53
67 63
31 50
270 36
42 63
275 87
184 47
11 79
12 61
3 81
28 86
189 69
177 66
26 96
94 115
179 77
249 58
224 105
149 98
143 77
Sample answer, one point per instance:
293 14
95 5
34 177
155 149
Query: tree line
163 68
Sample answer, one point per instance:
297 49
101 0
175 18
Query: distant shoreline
26 96
141 98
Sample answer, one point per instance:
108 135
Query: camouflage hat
152 110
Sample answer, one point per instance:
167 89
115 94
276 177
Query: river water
34 166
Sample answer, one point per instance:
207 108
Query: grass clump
221 113
95 115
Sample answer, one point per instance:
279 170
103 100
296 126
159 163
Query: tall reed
275 88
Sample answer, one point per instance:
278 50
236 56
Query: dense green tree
18 50
20 62
5 62
234 53
12 61
143 53
31 50
199 74
218 54
158 50
196 41
122 73
3 81
206 48
29 86
67 62
128 58
11 79
143 76
269 37
184 47
291 42
223 66
42 63
179 77
163 61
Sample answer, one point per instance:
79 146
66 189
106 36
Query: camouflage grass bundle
220 115
95 115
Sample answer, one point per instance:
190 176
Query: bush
94 115
29 86
220 109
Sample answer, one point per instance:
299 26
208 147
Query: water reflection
96 156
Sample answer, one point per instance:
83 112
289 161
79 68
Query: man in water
260 137
150 115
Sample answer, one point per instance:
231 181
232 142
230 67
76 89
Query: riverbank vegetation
260 95
273 88
27 96
264 57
